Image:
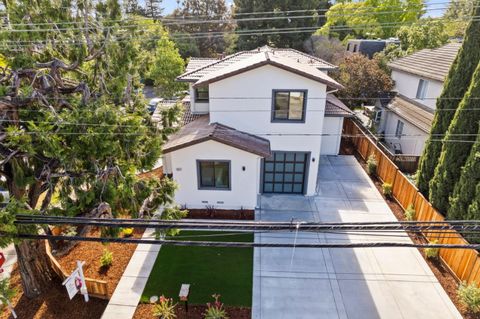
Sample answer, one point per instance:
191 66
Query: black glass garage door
284 172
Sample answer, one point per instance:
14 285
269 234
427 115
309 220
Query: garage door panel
284 172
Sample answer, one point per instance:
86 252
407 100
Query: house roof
201 130
335 107
268 58
413 112
429 63
196 69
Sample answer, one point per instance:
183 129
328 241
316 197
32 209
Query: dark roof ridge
234 129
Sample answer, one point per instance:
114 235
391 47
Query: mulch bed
247 214
55 304
446 279
194 312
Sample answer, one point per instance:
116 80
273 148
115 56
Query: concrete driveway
341 283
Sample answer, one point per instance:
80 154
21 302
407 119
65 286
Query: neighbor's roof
269 58
197 69
200 130
335 107
413 112
429 63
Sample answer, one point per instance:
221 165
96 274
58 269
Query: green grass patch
208 270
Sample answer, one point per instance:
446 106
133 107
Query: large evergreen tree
464 191
454 89
277 19
456 146
74 124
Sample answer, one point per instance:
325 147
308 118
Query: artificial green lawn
208 270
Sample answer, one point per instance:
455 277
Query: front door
285 172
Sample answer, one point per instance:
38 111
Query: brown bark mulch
54 303
441 272
247 214
144 311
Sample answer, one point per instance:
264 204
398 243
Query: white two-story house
407 120
259 122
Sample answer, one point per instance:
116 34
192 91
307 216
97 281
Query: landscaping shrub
165 309
6 293
371 165
469 295
387 189
215 310
410 213
127 232
432 252
106 259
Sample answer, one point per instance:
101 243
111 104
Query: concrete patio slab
348 282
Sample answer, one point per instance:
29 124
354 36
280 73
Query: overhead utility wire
246 244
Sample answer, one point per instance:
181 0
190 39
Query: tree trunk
34 266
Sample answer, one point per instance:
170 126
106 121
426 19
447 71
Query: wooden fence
464 264
96 288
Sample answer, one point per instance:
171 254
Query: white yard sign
76 282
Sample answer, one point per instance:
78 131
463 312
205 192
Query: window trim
304 107
422 89
199 177
195 91
397 135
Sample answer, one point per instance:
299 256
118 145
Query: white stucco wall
244 184
331 144
413 143
407 85
244 102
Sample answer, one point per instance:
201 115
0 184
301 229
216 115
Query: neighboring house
256 122
407 119
369 47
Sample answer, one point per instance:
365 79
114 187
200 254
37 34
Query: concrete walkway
341 283
127 295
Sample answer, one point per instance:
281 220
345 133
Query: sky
435 5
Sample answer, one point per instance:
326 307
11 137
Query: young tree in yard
153 8
457 146
464 191
74 126
363 80
455 86
209 45
281 20
425 34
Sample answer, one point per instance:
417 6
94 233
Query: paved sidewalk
341 283
127 295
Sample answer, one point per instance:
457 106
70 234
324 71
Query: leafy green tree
363 80
210 39
473 211
75 127
454 88
153 8
464 191
425 34
456 17
457 146
370 18
278 20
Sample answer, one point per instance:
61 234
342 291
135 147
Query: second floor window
399 130
201 94
422 89
289 105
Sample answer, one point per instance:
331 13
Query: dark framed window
201 94
399 129
422 89
289 105
285 172
213 174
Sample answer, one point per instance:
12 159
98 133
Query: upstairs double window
289 105
422 89
201 94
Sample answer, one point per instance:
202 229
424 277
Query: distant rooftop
429 63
